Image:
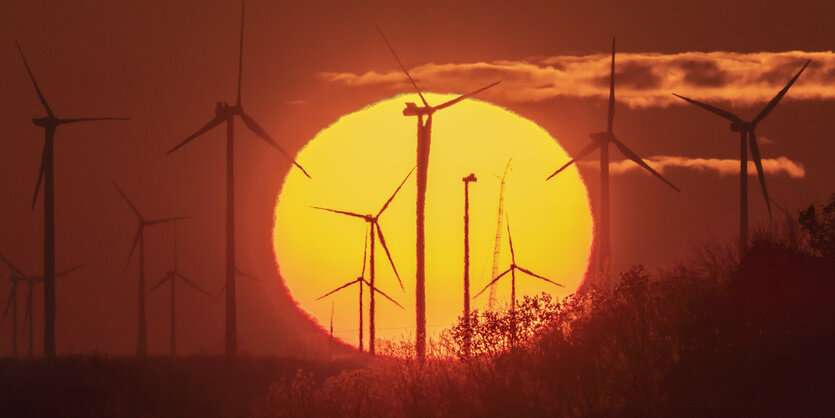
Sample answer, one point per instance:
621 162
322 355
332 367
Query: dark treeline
714 336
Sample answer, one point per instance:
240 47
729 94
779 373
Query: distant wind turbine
173 276
46 174
602 140
374 226
11 304
139 240
512 270
28 320
747 134
360 281
226 113
424 138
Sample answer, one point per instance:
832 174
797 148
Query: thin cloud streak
779 165
644 79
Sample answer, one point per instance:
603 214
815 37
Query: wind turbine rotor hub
742 126
412 109
45 122
600 137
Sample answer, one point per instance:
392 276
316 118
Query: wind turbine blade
32 76
510 238
382 293
124 196
248 276
337 289
464 96
395 192
388 255
611 118
192 284
206 128
712 109
12 296
167 277
403 67
28 312
770 106
261 133
530 273
364 253
634 157
585 151
492 282
76 120
164 220
40 176
356 215
12 266
755 153
133 247
69 270
241 53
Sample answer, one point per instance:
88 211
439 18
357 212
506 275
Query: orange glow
356 164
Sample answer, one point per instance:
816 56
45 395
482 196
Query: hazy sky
165 64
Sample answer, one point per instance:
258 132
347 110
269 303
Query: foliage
714 336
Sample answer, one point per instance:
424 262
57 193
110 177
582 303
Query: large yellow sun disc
358 162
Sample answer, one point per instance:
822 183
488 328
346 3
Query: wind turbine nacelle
741 127
413 110
600 137
45 122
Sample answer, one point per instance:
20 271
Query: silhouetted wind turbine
139 240
28 319
602 140
748 129
512 270
360 280
172 276
467 180
46 173
424 138
226 113
11 304
374 226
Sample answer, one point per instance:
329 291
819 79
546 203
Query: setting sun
359 161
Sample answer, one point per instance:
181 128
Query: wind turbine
173 276
512 270
28 320
46 174
374 226
360 280
424 138
467 180
602 140
747 134
226 113
142 331
11 304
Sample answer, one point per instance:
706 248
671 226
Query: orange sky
165 64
